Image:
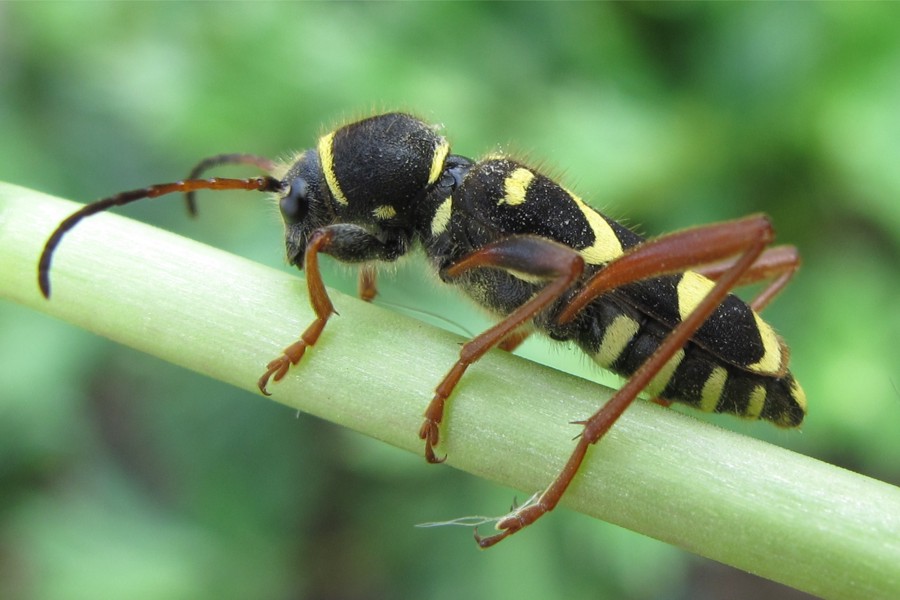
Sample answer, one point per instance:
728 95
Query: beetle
658 312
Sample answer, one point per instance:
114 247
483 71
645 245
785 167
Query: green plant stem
732 498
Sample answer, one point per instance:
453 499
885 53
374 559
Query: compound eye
295 204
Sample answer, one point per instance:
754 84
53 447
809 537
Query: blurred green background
121 476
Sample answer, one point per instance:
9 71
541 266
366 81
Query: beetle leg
678 251
777 265
347 243
366 288
532 255
322 307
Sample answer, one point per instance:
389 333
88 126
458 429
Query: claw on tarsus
429 433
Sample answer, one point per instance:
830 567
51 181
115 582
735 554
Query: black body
386 184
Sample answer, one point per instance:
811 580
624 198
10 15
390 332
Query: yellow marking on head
384 212
326 156
437 161
615 339
515 187
773 359
756 403
712 389
692 289
441 217
606 245
659 383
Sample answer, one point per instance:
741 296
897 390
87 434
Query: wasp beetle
658 312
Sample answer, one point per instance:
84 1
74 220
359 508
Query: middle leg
531 255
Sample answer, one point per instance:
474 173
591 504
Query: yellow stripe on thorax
326 156
606 245
441 217
515 187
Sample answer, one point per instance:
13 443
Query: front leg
366 288
347 243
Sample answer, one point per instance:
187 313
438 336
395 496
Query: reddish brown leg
322 307
365 286
678 251
775 264
514 340
532 255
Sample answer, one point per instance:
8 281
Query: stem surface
728 497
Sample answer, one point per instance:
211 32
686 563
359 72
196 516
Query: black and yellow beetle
534 254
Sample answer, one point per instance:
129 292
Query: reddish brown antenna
261 184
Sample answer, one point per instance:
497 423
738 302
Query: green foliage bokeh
121 476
